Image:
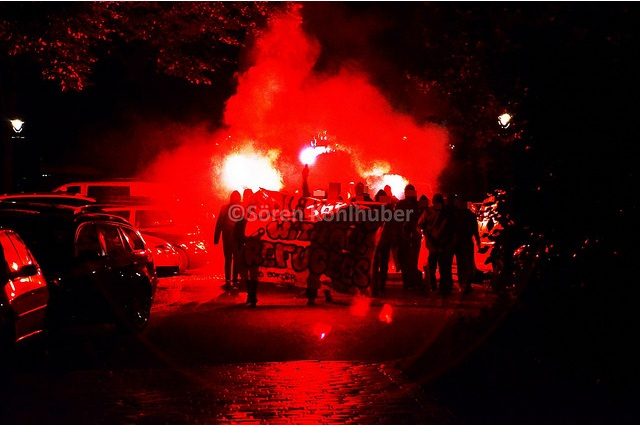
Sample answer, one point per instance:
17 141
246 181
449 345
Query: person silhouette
409 239
394 249
465 231
225 225
305 181
388 240
437 225
361 194
248 271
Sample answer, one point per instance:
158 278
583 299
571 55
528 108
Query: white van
115 190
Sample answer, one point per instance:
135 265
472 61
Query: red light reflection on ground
386 314
360 306
321 330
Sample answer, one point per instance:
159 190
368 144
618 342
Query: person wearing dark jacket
247 267
389 234
437 225
225 225
465 232
409 239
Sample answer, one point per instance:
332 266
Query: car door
120 266
83 293
140 253
25 289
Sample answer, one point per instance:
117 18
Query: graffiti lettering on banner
289 251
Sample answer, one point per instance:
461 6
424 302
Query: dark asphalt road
207 358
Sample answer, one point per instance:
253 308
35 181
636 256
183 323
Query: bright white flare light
309 154
396 182
504 120
250 171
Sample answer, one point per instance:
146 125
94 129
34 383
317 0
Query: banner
296 241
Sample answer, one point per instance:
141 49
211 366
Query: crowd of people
448 228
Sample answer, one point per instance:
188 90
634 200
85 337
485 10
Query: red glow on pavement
321 330
360 306
386 314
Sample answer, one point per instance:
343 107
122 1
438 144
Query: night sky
572 76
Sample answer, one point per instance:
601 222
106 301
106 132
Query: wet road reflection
290 392
207 358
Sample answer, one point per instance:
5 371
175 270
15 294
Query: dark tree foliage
434 61
567 74
190 40
570 69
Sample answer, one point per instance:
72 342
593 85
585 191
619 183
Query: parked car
97 265
166 257
71 199
158 221
115 190
24 296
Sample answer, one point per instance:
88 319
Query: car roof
130 206
49 197
44 195
60 212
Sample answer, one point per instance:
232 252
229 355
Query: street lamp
17 125
504 120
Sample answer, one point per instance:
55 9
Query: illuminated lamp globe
17 125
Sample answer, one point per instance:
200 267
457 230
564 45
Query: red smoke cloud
281 105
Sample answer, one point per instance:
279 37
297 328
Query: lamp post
17 126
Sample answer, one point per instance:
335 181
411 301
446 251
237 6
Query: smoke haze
281 105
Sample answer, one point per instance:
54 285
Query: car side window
134 241
90 239
108 192
73 189
112 239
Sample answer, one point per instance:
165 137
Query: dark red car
97 266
